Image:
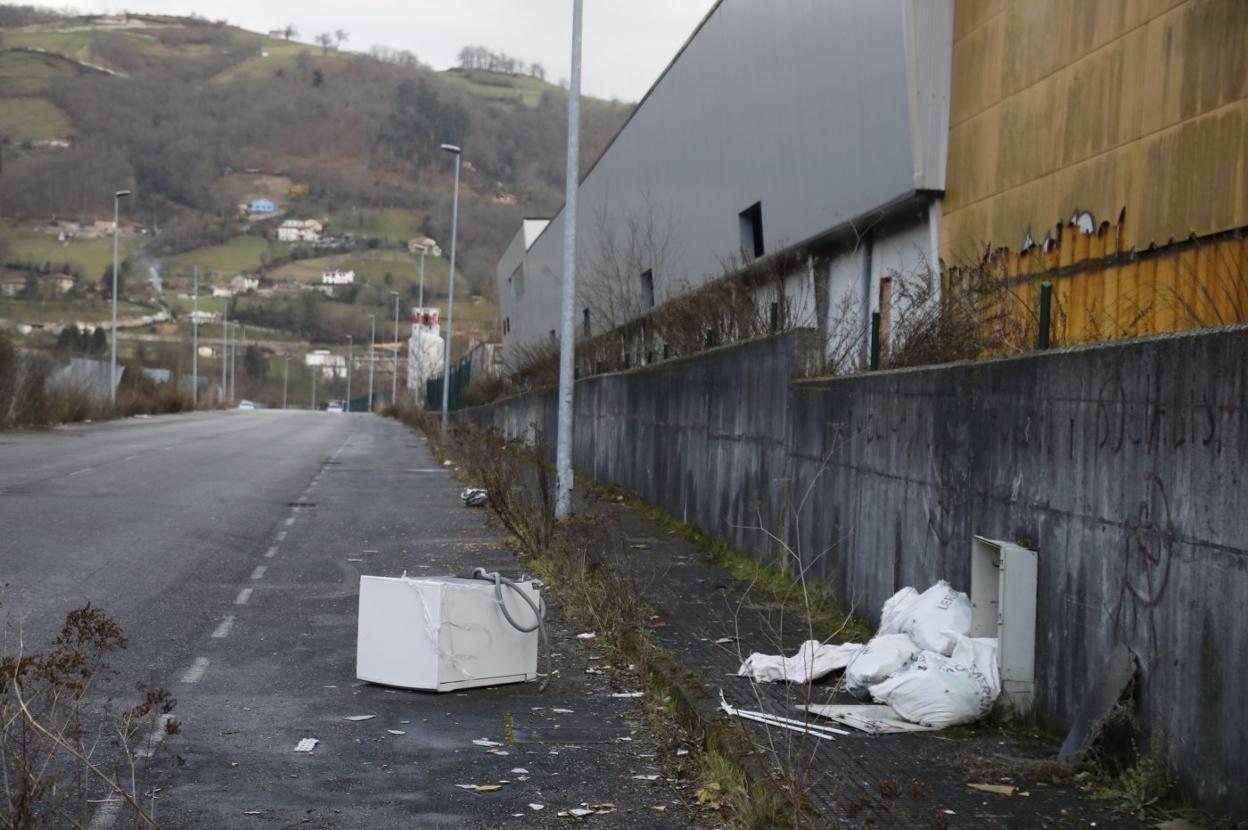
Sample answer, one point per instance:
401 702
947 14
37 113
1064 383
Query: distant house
423 244
54 284
222 291
262 206
338 278
299 230
243 283
12 286
331 365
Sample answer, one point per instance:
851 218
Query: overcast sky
626 42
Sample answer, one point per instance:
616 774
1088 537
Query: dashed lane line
243 596
223 630
258 573
271 552
196 672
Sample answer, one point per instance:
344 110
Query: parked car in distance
246 405
334 407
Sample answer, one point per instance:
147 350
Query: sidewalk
709 622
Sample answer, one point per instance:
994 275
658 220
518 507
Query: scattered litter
396 731
722 641
447 463
995 789
593 670
535 807
812 661
561 711
659 808
587 635
646 777
639 546
825 732
253 812
874 720
502 752
519 771
942 691
349 559
681 752
576 812
359 717
933 617
307 744
485 742
475 497
627 694
480 788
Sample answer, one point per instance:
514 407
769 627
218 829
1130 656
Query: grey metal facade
822 112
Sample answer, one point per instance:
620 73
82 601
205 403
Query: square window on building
751 225
647 288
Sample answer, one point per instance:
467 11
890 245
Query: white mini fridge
443 633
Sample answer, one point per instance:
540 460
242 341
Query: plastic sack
812 661
893 616
883 656
941 691
933 615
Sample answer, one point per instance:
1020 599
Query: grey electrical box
1003 605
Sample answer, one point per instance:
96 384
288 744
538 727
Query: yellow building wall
1130 113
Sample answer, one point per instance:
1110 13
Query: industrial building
810 134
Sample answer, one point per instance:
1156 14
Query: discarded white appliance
444 633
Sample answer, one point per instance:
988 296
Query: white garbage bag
941 691
812 661
883 656
930 617
896 609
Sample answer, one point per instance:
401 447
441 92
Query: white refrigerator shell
443 633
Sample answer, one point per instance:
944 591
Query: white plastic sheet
812 661
941 691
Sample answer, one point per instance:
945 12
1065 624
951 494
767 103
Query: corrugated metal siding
801 105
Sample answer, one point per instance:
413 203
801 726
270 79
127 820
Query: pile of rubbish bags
923 663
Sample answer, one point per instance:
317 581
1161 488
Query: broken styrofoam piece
307 744
519 771
879 659
586 635
396 731
485 742
870 718
628 694
815 730
812 661
941 691
358 717
535 806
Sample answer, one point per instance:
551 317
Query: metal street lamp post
225 349
112 356
394 381
350 361
567 340
422 278
313 388
450 290
195 341
372 342
285 380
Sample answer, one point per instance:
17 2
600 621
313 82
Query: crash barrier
1122 466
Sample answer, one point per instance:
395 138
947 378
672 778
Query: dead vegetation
62 746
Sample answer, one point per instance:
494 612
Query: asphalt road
229 546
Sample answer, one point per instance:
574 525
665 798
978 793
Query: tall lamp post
285 380
314 388
450 290
195 341
112 354
225 349
567 340
372 342
394 381
422 276
350 361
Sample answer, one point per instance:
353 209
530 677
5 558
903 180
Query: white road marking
131 457
223 630
243 596
271 552
196 671
290 521
281 536
295 509
258 573
80 472
159 730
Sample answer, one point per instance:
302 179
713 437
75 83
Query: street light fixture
112 356
372 342
195 341
450 290
394 381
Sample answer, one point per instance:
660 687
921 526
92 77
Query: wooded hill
197 116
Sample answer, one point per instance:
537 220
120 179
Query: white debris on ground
475 497
923 664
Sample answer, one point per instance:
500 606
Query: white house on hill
337 277
299 230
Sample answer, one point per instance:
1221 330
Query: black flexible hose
539 613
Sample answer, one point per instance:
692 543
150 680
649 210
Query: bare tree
339 36
325 40
289 31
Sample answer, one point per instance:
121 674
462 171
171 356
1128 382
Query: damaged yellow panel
1128 118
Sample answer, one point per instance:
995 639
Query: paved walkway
709 622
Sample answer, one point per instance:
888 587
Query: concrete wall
1122 465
